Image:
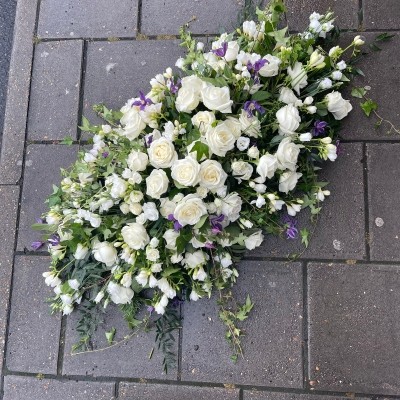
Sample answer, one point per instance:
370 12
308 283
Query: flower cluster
184 179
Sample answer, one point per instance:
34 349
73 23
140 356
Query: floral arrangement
183 180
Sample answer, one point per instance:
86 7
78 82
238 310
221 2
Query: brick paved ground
324 327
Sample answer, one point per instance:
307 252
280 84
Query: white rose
231 206
298 75
162 153
80 252
133 124
254 240
212 175
253 152
193 82
232 51
287 96
137 161
242 170
250 126
267 165
187 100
193 260
118 188
287 154
152 254
289 120
150 211
167 207
170 237
135 208
119 294
337 105
190 210
203 120
242 143
220 139
199 274
136 196
288 181
216 98
156 183
186 171
135 236
271 67
105 252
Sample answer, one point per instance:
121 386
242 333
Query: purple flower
255 68
149 140
143 102
150 309
177 225
222 50
174 87
319 128
209 245
290 224
37 245
216 226
251 107
54 240
105 154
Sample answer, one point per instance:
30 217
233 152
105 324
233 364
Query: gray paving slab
130 359
116 71
383 14
172 392
87 19
383 188
257 395
33 335
354 340
339 231
42 171
29 388
18 93
273 342
346 12
9 197
210 17
54 98
382 77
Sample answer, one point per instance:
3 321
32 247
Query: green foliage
110 335
67 141
358 92
305 234
368 107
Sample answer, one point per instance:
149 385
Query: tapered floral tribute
185 179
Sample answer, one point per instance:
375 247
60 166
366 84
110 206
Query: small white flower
253 152
341 65
99 297
305 137
254 240
119 294
73 284
242 143
180 62
326 83
337 75
126 280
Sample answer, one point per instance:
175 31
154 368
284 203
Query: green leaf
358 92
110 335
201 149
369 106
384 36
304 233
201 222
261 95
68 141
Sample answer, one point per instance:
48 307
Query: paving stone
255 395
172 392
211 17
13 140
54 99
9 197
33 335
29 388
299 11
42 171
339 232
129 359
87 18
116 71
354 340
273 341
383 188
382 75
383 14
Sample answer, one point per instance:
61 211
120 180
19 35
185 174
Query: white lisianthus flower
170 236
253 152
73 284
200 46
288 181
167 207
135 208
331 152
326 83
152 254
142 277
287 96
195 259
305 137
166 288
67 309
242 170
212 175
317 60
242 143
80 252
203 120
150 211
308 100
105 252
199 274
187 100
321 194
250 126
99 297
259 202
141 219
311 109
193 82
137 161
52 218
298 76
287 154
293 209
135 236
335 52
337 75
271 67
194 296
126 280
162 153
289 120
154 242
159 307
217 99
133 123
135 196
358 41
190 210
180 63
234 126
337 105
231 206
267 165
216 63
220 139
341 65
119 294
186 171
118 187
51 279
156 183
254 240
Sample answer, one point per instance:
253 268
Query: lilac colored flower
255 68
37 245
54 240
174 87
105 154
143 102
290 224
216 226
251 107
209 245
319 128
177 225
222 50
150 309
149 140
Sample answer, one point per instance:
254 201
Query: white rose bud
80 252
288 181
338 106
289 120
305 137
135 236
341 65
287 154
253 152
267 165
337 75
242 170
242 143
311 109
326 83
